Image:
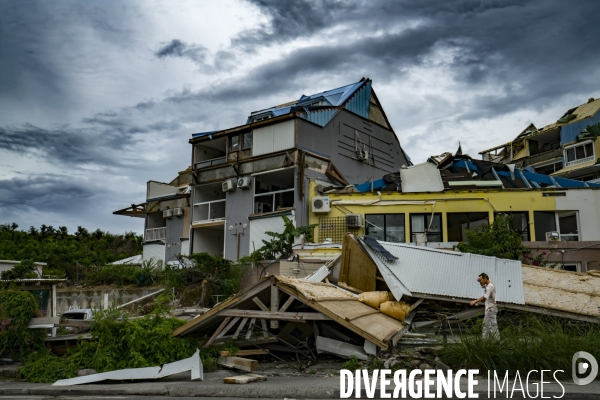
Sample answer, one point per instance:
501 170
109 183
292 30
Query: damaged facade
567 148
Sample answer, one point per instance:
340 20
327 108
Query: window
567 225
580 153
247 141
386 227
519 223
548 169
426 223
543 221
274 191
459 222
234 143
547 221
573 266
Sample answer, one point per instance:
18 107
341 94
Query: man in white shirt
490 323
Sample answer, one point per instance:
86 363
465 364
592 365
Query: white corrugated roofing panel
419 178
447 273
319 275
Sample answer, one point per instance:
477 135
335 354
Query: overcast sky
98 97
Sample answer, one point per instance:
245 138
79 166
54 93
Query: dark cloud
177 48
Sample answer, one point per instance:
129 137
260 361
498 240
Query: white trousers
490 324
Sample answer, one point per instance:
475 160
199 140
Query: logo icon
582 367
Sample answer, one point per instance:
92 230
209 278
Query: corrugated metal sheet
423 177
447 273
320 117
259 227
154 250
272 138
319 275
360 101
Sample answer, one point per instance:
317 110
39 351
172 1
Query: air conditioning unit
168 213
320 204
353 221
178 212
228 186
552 236
362 155
260 208
243 182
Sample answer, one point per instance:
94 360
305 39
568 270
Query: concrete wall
336 140
239 206
587 202
159 189
174 233
587 254
209 240
94 298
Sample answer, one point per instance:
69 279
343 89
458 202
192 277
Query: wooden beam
240 353
282 316
219 329
243 364
260 304
265 330
287 303
274 305
239 329
228 327
250 328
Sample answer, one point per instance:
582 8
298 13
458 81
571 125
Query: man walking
490 323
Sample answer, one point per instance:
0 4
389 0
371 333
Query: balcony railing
580 161
156 234
210 163
209 211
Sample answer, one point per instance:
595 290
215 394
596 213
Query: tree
497 239
281 244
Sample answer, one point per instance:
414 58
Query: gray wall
239 206
336 140
174 233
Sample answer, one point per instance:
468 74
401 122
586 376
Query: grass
526 343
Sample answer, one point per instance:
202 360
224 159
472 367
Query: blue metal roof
200 134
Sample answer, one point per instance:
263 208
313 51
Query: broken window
579 153
247 141
519 223
426 223
544 222
567 225
234 143
386 227
274 191
459 222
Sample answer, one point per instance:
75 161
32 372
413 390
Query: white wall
159 189
154 250
587 202
273 138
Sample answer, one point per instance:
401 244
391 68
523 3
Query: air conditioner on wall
243 182
168 213
320 204
552 236
177 212
353 220
228 186
362 155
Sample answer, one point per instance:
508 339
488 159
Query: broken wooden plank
239 329
250 328
219 329
265 331
274 305
228 327
241 353
284 316
244 379
243 364
287 303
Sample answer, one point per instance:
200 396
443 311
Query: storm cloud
97 98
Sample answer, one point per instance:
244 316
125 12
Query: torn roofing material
424 271
424 177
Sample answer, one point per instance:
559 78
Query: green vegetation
119 343
527 343
24 269
16 310
281 245
64 252
497 239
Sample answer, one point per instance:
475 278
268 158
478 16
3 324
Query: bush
16 310
119 343
531 343
498 240
24 269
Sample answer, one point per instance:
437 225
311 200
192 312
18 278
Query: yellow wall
445 202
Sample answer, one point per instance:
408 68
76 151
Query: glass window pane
375 226
235 143
436 224
544 221
589 150
247 141
579 152
394 228
570 154
417 223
